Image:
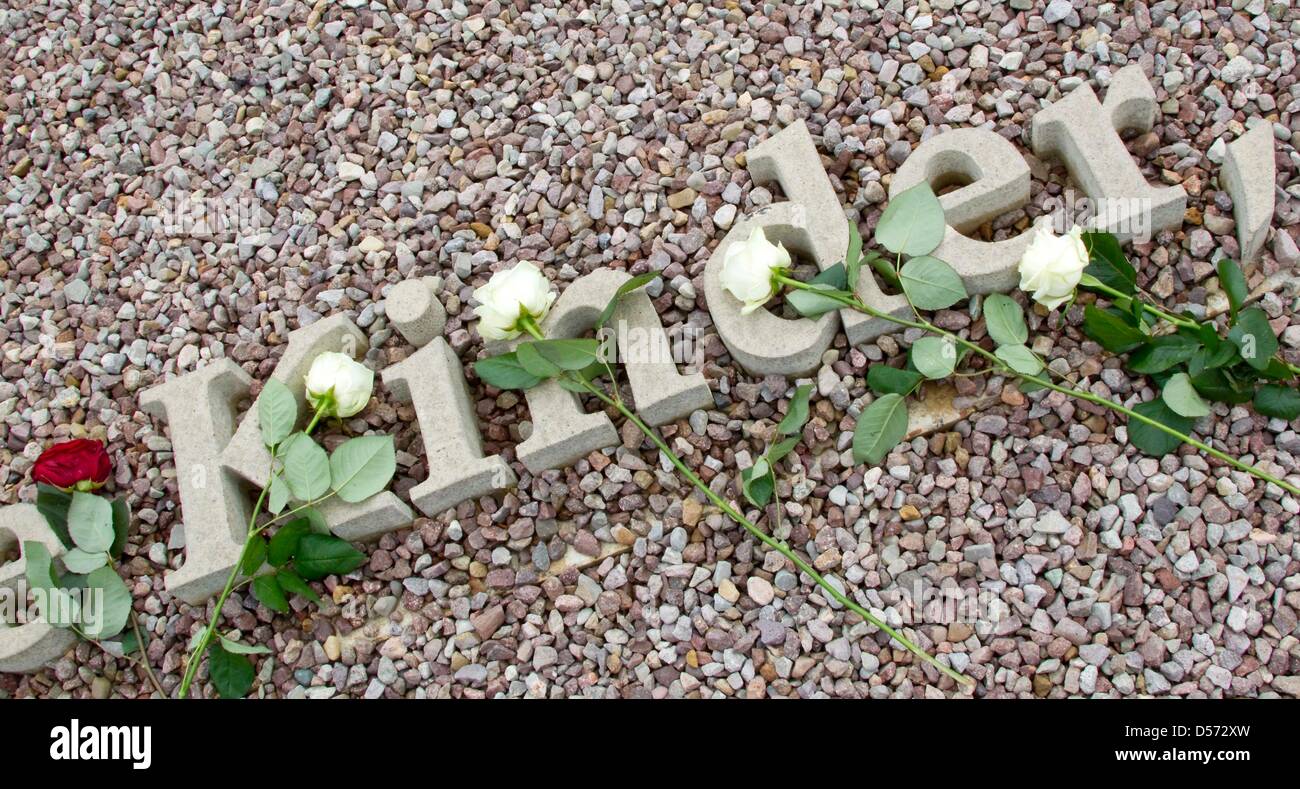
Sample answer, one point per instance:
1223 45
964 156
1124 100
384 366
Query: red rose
72 462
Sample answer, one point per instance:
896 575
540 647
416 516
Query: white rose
341 383
508 296
749 268
1052 266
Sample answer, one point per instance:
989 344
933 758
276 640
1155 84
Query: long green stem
142 664
531 327
857 304
616 403
196 655
1186 323
254 532
143 643
771 542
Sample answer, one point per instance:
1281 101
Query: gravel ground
383 140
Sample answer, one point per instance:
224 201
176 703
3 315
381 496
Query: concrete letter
1085 134
247 456
413 307
432 380
1249 176
30 646
562 431
996 181
200 410
812 225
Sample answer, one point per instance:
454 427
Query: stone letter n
210 454
562 431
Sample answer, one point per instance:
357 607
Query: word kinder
218 454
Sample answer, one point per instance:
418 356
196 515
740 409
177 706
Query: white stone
350 171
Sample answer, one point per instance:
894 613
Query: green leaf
1108 264
116 608
1281 402
240 648
835 276
1111 331
627 287
1182 398
853 257
880 427
1217 386
1210 359
268 592
90 522
293 583
277 412
1151 440
39 565
313 516
1277 370
913 222
566 354
231 674
534 363
277 495
53 505
811 304
758 483
1204 333
121 525
505 372
797 412
1254 338
781 449
931 284
1162 353
59 608
285 542
884 379
362 467
306 468
934 357
1020 359
130 644
570 385
882 266
81 562
1233 282
253 557
320 555
1005 320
